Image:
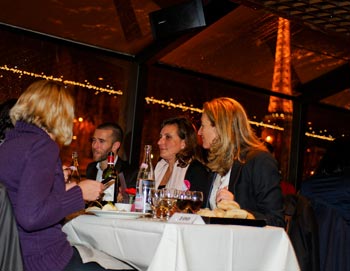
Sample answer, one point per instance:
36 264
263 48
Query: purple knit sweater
32 172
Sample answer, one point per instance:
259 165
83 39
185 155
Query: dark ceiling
331 17
237 44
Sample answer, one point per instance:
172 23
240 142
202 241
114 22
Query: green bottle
110 176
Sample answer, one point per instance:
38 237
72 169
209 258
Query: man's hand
224 193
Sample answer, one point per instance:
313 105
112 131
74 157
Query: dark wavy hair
336 160
5 120
186 131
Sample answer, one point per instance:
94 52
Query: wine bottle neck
110 165
110 158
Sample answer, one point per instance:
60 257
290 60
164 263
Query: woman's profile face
207 132
169 142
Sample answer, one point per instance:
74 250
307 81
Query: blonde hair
235 135
48 105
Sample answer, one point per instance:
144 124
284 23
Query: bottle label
144 166
145 181
110 159
138 203
142 201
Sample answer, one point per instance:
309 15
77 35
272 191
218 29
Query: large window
108 88
324 124
172 93
101 83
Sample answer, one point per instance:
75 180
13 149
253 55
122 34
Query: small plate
118 214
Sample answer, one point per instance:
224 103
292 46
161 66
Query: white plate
118 214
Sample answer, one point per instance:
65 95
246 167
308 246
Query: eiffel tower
281 110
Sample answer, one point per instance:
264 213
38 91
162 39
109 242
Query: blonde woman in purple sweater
31 170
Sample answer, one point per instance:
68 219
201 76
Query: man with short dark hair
107 137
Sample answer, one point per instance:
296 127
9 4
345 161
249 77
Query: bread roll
109 207
236 213
206 212
219 212
232 211
228 205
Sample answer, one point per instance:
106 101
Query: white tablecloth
156 246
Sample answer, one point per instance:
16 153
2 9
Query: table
154 246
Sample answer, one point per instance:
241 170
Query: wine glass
154 201
168 203
196 201
183 201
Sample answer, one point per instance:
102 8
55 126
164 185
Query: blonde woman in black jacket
244 170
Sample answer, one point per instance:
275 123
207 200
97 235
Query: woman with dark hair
179 152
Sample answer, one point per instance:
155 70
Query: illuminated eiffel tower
280 110
282 70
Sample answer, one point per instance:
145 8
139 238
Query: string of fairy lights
86 84
149 100
171 105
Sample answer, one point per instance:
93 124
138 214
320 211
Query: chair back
334 232
302 228
10 251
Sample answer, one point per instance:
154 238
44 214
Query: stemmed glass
184 201
196 201
168 202
155 196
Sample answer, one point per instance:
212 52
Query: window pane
100 83
175 93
